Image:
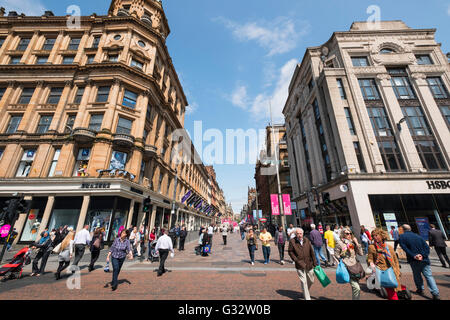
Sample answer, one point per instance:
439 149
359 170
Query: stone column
54 53
30 111
6 100
404 139
153 217
108 119
130 213
19 226
59 112
360 209
83 212
82 115
46 217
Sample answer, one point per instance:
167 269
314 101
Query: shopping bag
57 249
323 278
387 278
207 249
342 275
106 269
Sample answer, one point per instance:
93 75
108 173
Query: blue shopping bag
342 275
387 278
207 249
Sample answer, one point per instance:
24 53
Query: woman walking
381 256
120 249
252 245
96 246
346 250
280 242
66 253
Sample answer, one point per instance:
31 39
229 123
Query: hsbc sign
438 185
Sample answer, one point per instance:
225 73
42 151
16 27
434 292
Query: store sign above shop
440 184
95 185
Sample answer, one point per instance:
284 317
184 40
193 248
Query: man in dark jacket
183 235
317 242
45 249
417 254
302 253
437 240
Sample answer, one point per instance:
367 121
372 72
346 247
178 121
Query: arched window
386 51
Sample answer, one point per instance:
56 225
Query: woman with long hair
382 256
96 246
120 249
66 253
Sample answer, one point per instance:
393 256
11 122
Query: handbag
57 249
342 275
321 275
387 278
357 271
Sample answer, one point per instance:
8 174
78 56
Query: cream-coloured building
86 119
367 119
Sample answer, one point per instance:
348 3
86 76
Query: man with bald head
417 253
302 253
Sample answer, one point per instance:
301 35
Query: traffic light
13 207
147 202
326 198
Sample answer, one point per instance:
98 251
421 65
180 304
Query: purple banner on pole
187 195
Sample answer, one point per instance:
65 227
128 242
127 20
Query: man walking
183 235
210 234
329 239
317 242
82 239
417 253
437 240
224 234
395 235
301 251
163 246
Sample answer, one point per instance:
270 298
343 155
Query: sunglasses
347 233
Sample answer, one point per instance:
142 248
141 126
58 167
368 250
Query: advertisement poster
390 220
287 205
424 226
275 205
254 214
260 213
118 160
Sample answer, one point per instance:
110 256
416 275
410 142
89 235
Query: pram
154 255
13 270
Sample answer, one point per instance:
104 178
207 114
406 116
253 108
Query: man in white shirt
291 231
210 233
82 239
163 246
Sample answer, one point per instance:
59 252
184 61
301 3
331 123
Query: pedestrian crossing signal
326 198
147 202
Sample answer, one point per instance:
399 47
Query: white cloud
277 99
29 7
191 108
278 36
448 10
239 97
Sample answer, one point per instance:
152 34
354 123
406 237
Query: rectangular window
23 44
15 60
26 163
341 89
82 162
124 126
348 115
423 59
25 98
90 59
79 95
437 88
103 94
118 161
68 59
417 123
129 99
1 152
359 156
161 177
55 95
44 124
96 42
49 44
74 44
42 60
446 113
402 88
430 155
369 89
70 122
360 61
2 41
14 124
51 173
145 136
113 57
2 92
137 64
95 123
391 155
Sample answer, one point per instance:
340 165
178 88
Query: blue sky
233 56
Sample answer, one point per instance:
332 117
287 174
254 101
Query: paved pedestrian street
224 275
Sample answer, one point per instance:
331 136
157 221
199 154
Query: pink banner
287 205
275 205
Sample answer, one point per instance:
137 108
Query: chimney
2 12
